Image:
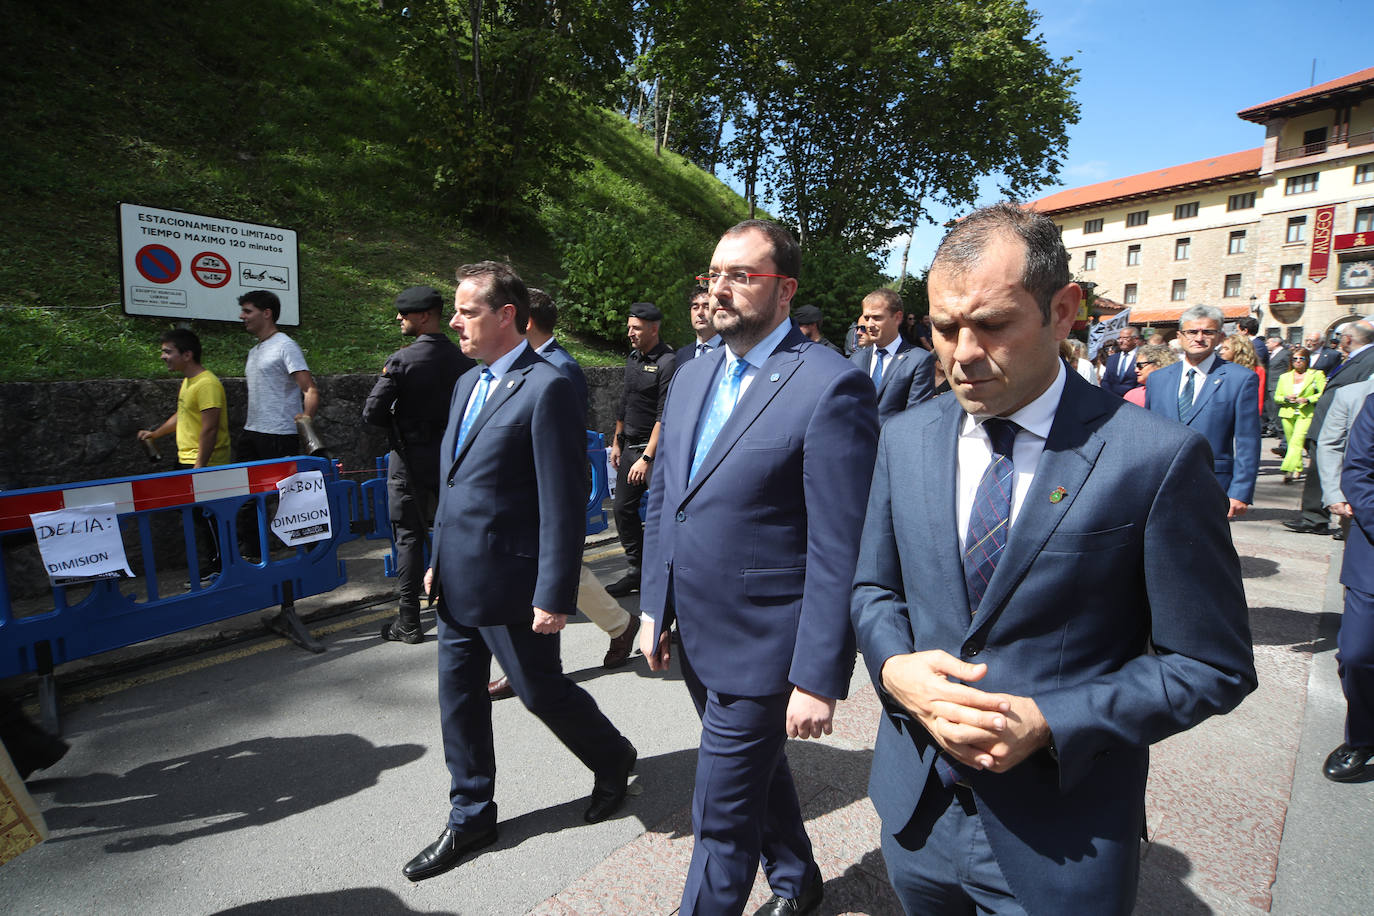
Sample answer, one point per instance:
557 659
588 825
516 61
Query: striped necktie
990 520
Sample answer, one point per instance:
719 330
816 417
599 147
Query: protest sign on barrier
302 509
81 543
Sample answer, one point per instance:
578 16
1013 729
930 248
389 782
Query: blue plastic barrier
120 612
600 490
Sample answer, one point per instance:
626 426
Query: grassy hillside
288 112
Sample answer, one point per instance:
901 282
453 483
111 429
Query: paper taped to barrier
81 543
610 474
302 509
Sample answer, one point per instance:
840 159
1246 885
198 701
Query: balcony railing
1307 149
1363 138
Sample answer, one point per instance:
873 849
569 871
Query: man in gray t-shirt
280 386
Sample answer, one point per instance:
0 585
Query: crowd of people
1025 656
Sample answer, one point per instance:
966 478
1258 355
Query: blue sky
1161 82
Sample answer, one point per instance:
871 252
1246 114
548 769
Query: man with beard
754 561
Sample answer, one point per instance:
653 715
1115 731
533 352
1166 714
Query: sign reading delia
302 509
182 265
81 543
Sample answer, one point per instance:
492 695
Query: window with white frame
1181 248
1129 296
1090 260
1179 291
1297 229
1243 201
1364 173
1185 211
1236 244
1132 255
1232 288
1290 275
1364 219
1092 225
1138 218
1300 184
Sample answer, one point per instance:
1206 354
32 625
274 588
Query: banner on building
1321 244
81 543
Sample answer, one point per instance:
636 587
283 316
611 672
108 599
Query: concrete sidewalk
1240 819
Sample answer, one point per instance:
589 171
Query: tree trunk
910 234
658 147
475 14
720 132
668 118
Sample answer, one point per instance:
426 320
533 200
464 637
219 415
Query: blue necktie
727 393
703 349
991 517
1185 397
474 409
878 366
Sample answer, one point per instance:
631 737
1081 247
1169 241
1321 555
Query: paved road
250 777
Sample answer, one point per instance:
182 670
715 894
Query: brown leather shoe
500 688
622 646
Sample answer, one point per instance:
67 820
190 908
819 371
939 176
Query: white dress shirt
1202 369
975 451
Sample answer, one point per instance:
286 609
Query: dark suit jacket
1116 659
1356 369
689 351
1357 483
1118 383
1280 361
509 530
755 556
1326 359
908 378
564 362
1226 412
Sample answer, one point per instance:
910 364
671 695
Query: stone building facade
1284 232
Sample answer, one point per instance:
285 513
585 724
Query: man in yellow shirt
201 420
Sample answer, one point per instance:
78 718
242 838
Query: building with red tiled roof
1284 232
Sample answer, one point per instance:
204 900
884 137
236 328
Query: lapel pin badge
1058 494
774 377
510 384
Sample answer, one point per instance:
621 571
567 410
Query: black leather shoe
1346 763
444 853
608 792
622 646
808 902
394 632
1304 527
626 585
1338 534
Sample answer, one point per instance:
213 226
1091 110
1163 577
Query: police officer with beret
411 400
647 371
808 319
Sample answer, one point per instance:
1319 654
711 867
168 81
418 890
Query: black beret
807 314
418 299
646 311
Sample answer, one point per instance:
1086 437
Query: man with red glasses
1216 398
755 562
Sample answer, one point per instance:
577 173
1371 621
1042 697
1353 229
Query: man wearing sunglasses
1216 398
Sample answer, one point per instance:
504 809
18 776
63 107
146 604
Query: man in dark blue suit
1355 642
705 337
1216 398
1023 655
1118 376
753 527
903 374
507 549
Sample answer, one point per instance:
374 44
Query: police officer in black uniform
808 321
411 401
647 371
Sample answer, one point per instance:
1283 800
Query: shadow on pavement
371 900
1300 631
1162 891
247 784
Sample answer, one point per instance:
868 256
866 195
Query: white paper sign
81 543
302 509
610 475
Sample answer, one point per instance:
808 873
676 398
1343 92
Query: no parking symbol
158 263
210 269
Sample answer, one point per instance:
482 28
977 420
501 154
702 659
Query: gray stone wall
61 432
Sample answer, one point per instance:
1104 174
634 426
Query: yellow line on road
603 554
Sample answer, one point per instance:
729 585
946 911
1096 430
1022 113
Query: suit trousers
1313 506
941 864
745 803
628 497
1355 664
533 664
411 505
